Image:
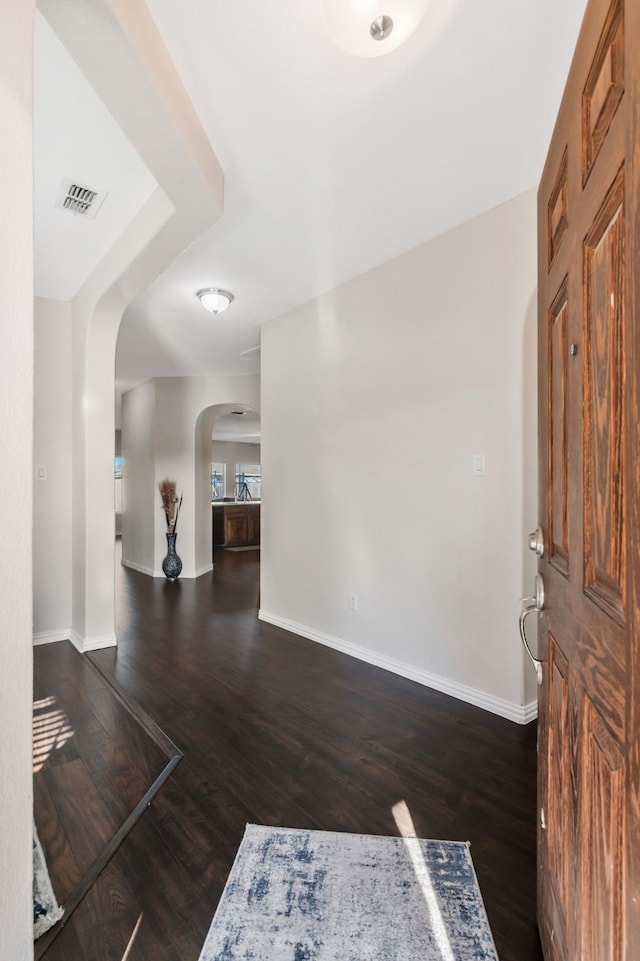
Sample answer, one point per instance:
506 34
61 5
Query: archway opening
229 478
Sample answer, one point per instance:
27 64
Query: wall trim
185 575
51 637
140 568
519 713
86 644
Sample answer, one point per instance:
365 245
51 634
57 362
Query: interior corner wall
52 454
138 488
16 424
376 397
230 453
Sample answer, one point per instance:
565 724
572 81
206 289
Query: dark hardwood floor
92 763
279 730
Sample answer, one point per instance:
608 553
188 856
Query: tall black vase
171 565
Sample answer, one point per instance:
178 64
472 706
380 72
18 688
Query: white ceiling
333 164
75 137
239 428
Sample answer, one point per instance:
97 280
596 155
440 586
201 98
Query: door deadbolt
536 542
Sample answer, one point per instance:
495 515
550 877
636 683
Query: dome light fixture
214 299
371 28
381 28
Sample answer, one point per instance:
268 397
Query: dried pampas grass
171 503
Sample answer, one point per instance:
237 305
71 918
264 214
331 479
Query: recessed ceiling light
214 299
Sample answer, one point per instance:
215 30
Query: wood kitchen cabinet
236 525
253 526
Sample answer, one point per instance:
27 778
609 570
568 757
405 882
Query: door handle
535 608
536 542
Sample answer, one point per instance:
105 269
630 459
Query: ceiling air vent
79 199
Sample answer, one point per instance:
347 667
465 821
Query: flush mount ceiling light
371 28
214 299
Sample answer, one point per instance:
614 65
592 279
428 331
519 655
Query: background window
117 473
248 482
217 481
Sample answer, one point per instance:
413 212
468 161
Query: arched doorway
228 479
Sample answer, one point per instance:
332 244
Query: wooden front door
589 429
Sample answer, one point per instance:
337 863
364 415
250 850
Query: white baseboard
86 644
141 568
51 637
186 576
519 713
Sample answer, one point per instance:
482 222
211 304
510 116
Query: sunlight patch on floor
134 934
51 731
405 825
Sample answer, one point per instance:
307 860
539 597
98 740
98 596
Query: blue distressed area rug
46 911
320 896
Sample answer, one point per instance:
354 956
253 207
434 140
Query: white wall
176 415
530 517
16 422
375 397
138 476
52 450
107 39
226 452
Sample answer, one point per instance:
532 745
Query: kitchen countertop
235 503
